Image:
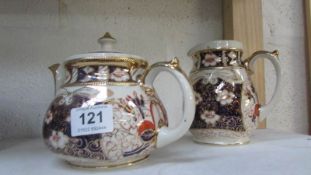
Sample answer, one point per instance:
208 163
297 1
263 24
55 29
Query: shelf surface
270 152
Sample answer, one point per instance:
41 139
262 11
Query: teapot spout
56 75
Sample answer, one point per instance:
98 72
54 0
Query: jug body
227 107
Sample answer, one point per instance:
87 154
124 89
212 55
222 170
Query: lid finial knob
107 42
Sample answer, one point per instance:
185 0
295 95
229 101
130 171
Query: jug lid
108 53
216 45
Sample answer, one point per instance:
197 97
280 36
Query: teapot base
96 164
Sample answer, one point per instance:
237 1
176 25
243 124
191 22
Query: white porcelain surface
93 55
217 44
227 107
170 134
239 128
138 118
266 108
108 49
270 152
134 125
131 119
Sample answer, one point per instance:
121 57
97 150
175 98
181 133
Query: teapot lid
108 52
216 45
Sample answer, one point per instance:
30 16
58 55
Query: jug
106 112
227 107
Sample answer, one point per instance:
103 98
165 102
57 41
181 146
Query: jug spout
56 75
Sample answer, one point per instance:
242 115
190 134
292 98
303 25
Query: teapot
106 112
227 107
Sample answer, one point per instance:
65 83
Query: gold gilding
275 53
102 83
246 62
114 61
197 54
53 69
107 35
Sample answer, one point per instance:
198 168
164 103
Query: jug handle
274 59
168 135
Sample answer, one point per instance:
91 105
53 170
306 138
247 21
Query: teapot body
106 112
137 113
227 107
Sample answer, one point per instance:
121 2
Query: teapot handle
168 135
274 59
